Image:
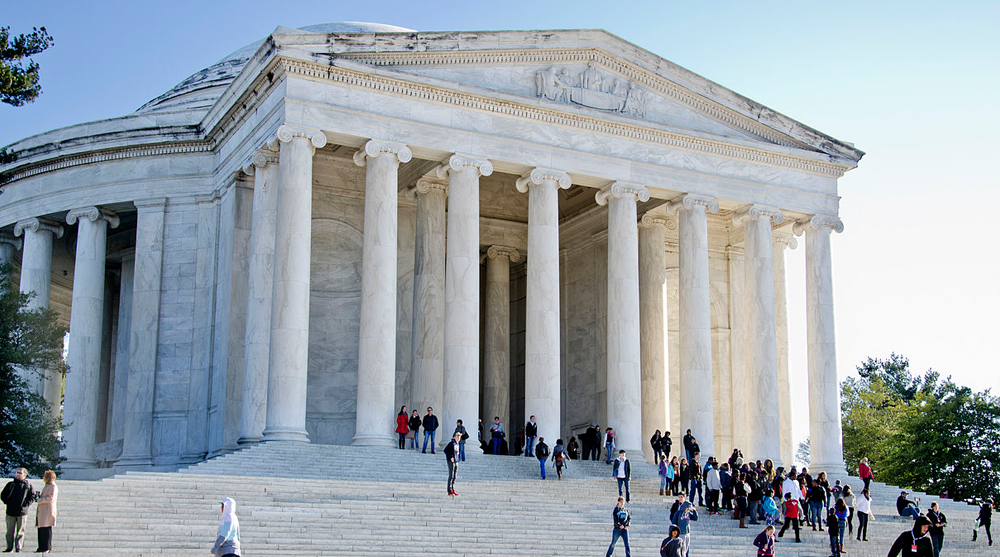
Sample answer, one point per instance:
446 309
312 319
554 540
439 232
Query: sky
914 84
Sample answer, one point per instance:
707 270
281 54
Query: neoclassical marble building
341 219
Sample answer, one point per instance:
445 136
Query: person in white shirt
622 472
863 508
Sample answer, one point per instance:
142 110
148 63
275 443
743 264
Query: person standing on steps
714 486
559 457
841 511
849 499
938 523
663 470
985 519
865 472
497 435
609 444
666 444
402 426
622 473
573 448
542 454
695 449
589 440
46 512
227 542
530 434
672 545
688 439
430 424
764 542
682 516
656 442
414 430
463 436
694 475
915 542
863 508
450 451
832 525
791 508
17 496
817 496
621 518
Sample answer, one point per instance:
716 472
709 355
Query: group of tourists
17 496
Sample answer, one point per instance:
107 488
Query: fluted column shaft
497 377
427 367
461 321
624 352
781 328
288 356
8 245
652 277
826 443
761 336
542 348
36 276
377 347
85 325
119 396
695 316
260 281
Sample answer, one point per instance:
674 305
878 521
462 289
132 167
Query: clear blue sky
912 83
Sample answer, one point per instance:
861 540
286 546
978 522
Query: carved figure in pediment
594 90
591 78
635 101
619 89
551 85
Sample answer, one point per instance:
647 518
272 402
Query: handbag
409 434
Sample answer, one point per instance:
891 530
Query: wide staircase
306 500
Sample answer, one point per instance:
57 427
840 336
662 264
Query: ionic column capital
375 148
690 201
287 132
649 221
461 161
8 238
816 222
38 224
94 214
757 212
510 253
427 184
786 242
621 189
536 176
260 159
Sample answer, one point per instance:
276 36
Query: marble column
826 442
695 320
623 348
288 356
119 394
85 325
653 338
8 245
461 320
427 350
144 338
263 165
760 329
542 348
377 348
671 310
496 383
781 329
36 276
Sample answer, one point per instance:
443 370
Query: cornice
613 63
107 155
392 85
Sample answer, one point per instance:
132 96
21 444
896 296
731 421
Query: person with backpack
764 542
671 546
985 519
622 473
542 454
832 525
621 518
681 515
559 457
463 435
791 509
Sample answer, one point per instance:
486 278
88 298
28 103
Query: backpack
663 546
559 456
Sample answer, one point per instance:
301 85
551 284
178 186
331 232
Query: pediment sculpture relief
593 88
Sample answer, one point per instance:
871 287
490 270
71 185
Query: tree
19 83
803 453
30 341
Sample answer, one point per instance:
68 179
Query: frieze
593 88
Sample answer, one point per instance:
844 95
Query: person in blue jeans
609 444
497 435
905 507
463 434
542 454
430 429
622 472
621 519
530 434
817 502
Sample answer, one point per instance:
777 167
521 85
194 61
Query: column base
836 468
294 435
133 462
80 464
374 440
245 442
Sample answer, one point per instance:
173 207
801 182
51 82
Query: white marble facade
347 218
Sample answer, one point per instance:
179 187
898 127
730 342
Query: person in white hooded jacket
227 544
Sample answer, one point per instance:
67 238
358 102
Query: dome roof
200 90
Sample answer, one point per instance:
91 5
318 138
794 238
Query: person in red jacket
791 507
865 472
402 426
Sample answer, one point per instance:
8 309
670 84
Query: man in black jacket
530 433
688 439
430 428
542 454
450 452
914 543
622 472
17 496
938 523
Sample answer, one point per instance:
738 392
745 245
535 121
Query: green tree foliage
921 432
29 340
19 82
